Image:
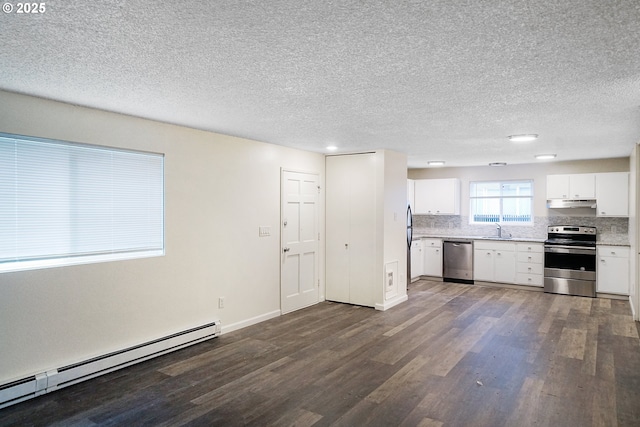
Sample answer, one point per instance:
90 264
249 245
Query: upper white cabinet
611 190
612 194
572 186
437 196
411 192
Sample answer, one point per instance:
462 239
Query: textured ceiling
440 80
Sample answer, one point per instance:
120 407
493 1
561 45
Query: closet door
350 229
362 230
337 228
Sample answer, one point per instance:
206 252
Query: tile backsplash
609 229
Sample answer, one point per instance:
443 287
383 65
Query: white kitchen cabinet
558 186
613 270
571 186
494 261
483 261
612 194
437 196
530 264
417 259
432 257
505 266
411 199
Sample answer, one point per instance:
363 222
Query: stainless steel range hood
570 203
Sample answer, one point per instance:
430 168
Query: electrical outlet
614 229
221 302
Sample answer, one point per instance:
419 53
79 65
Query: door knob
286 249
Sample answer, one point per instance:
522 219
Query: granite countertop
606 240
496 238
613 242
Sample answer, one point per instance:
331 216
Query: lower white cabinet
520 263
613 270
530 264
494 261
483 260
417 259
432 257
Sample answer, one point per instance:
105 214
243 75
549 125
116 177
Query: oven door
570 262
570 270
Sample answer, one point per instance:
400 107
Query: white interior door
299 280
338 219
350 231
363 274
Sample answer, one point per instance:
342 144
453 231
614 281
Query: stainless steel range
570 260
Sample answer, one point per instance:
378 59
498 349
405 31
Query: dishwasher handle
457 243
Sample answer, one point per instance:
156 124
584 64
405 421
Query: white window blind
63 203
508 202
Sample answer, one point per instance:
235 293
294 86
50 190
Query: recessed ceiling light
436 163
545 156
523 138
332 148
498 164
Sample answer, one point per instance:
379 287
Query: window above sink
503 202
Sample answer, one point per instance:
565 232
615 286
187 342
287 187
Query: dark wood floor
454 355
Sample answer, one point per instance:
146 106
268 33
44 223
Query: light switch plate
264 231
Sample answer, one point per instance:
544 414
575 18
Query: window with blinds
64 203
507 202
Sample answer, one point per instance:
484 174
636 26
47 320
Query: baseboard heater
54 379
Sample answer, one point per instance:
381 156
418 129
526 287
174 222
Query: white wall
218 191
634 284
394 207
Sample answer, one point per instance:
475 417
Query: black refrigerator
409 238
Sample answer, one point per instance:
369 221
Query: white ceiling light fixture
436 163
523 138
331 148
545 156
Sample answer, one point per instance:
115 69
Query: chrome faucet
499 228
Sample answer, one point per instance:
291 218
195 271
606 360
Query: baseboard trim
633 309
392 302
509 286
249 322
613 296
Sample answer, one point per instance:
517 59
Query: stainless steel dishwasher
458 261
